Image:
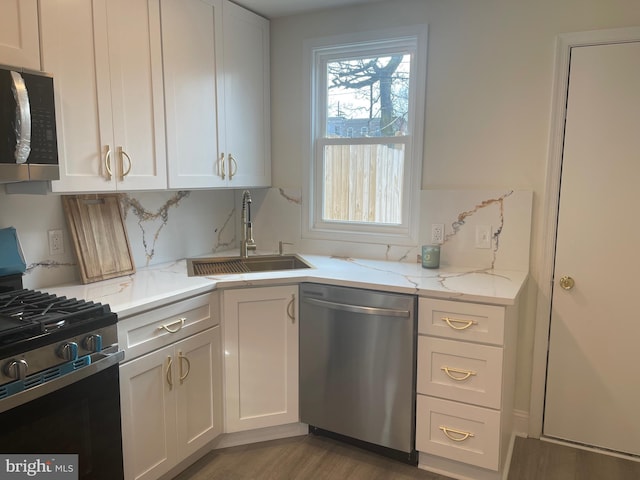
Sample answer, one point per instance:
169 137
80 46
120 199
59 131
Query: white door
592 392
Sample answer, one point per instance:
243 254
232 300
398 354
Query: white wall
489 82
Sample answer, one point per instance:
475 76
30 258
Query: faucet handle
281 246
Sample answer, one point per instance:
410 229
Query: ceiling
282 8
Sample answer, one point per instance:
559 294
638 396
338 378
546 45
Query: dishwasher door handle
386 312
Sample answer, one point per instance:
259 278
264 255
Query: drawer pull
450 432
451 321
169 328
452 371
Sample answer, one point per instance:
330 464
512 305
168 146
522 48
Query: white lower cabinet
458 431
171 397
261 357
465 381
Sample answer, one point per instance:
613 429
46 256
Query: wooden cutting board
100 240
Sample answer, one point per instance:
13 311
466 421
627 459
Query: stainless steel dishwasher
357 367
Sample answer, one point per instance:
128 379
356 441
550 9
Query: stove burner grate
28 312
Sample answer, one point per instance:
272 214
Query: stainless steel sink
230 265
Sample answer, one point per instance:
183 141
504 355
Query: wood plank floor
308 457
313 457
537 460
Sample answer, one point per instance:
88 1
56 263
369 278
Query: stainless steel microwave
28 144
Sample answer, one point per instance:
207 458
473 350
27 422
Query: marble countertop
153 286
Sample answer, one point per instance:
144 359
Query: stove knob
16 369
92 342
68 351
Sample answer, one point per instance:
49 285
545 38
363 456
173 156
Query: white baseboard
260 435
521 423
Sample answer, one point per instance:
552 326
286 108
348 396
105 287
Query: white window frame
412 40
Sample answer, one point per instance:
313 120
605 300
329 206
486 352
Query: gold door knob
567 282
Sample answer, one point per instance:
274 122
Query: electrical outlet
483 236
56 244
437 233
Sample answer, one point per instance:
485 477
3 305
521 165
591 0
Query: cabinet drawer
456 431
472 322
461 371
162 326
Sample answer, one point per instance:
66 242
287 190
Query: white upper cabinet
106 60
244 109
216 70
195 159
19 39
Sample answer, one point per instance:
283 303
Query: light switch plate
483 236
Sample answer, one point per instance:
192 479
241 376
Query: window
367 95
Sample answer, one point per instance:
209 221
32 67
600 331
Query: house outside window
367 122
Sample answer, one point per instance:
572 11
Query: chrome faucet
246 243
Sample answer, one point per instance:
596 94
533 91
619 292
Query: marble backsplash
277 217
162 226
165 226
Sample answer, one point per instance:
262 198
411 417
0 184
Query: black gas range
43 337
59 381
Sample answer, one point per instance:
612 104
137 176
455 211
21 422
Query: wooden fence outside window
363 183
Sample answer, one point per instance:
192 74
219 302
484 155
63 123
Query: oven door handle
106 358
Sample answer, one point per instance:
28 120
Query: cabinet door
199 390
148 415
74 47
244 105
261 357
190 30
106 61
135 66
19 40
